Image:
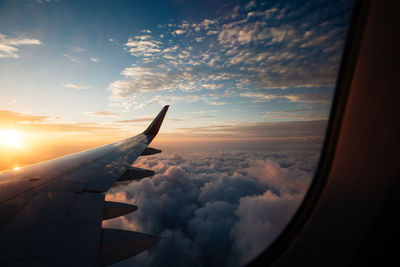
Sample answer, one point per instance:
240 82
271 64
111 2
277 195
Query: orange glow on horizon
41 146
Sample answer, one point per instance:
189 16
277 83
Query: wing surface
51 212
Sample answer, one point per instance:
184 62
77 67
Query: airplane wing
51 213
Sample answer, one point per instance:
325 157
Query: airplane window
249 84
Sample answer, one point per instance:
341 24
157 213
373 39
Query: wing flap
150 151
134 173
24 263
118 245
115 209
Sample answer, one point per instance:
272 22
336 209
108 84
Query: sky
101 70
249 84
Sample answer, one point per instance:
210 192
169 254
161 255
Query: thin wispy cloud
148 119
78 49
281 130
9 47
76 86
299 98
45 1
10 117
35 123
104 113
72 58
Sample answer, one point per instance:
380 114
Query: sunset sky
93 71
249 84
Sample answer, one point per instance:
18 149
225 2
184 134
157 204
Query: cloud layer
214 208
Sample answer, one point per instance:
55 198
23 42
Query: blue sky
114 64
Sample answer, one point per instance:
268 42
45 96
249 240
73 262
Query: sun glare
11 138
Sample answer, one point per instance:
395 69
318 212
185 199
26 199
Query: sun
11 138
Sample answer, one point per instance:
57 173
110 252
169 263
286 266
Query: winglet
152 130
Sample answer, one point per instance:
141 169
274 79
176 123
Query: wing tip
154 127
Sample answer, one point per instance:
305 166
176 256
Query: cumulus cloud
213 208
262 218
9 47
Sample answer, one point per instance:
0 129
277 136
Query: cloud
262 218
103 113
143 46
76 86
251 4
315 39
179 32
207 23
9 47
281 130
154 78
78 49
72 58
142 79
296 114
47 1
68 128
212 32
93 59
11 117
242 33
242 51
299 98
213 208
148 119
28 122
